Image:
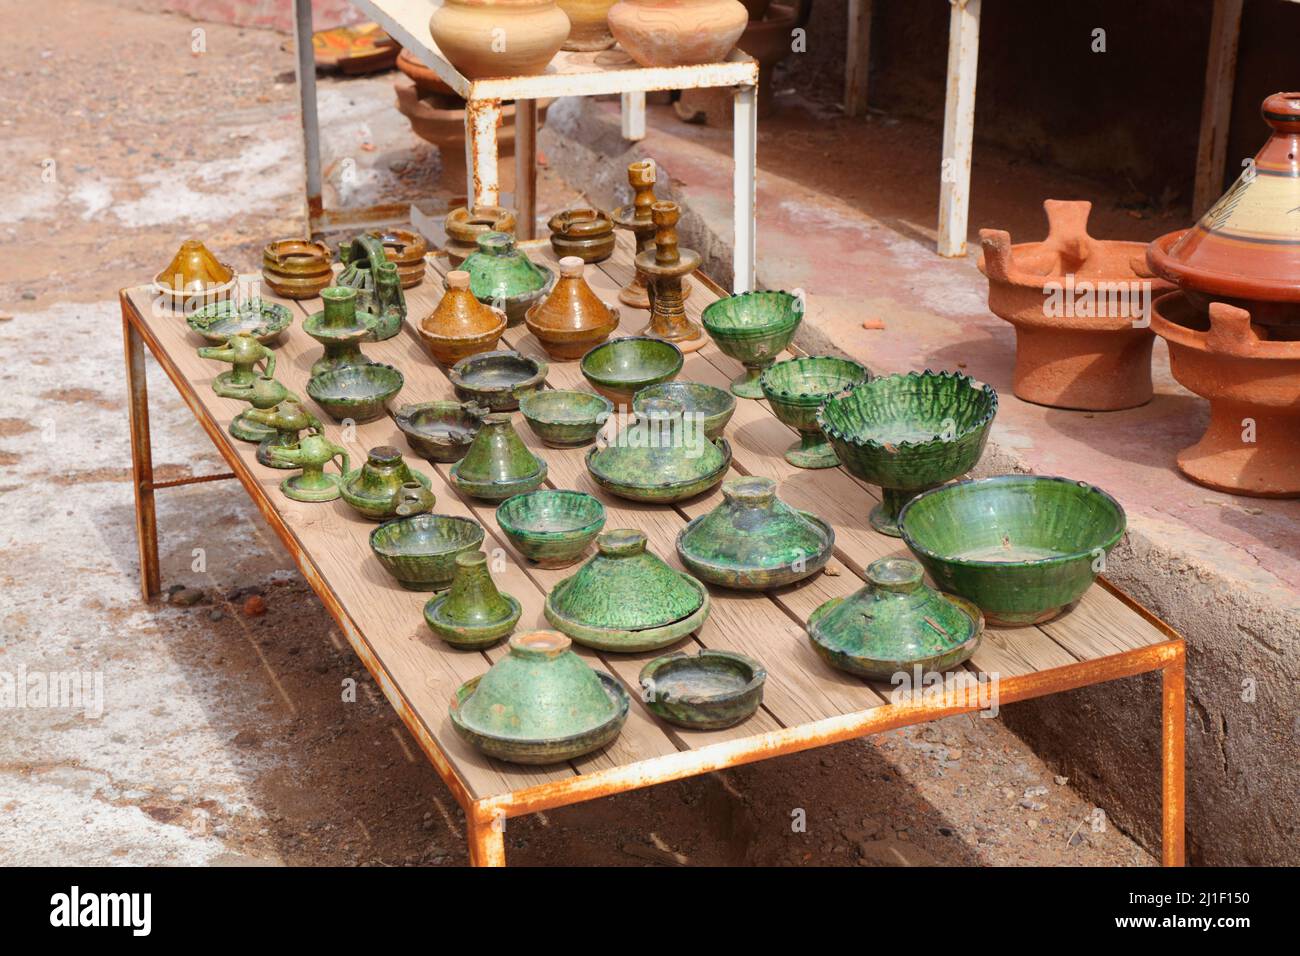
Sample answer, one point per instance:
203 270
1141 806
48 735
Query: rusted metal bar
142 483
486 836
193 480
481 120
1172 757
305 65
378 216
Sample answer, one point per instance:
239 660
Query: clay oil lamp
311 454
907 433
588 25
461 325
484 40
895 623
637 219
1080 311
677 32
420 551
661 458
473 614
753 328
571 319
287 420
796 388
194 277
711 690
664 267
262 396
988 541
753 541
498 465
550 528
539 704
440 431
368 269
626 599
620 368
357 393
584 232
464 226
245 355
263 320
297 268
503 277
406 250
385 487
497 380
340 328
564 419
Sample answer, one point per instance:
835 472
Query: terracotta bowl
497 380
564 419
551 528
420 552
716 405
620 368
356 392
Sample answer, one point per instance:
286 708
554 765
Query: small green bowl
1020 547
753 328
551 528
420 552
620 368
264 321
796 388
564 419
712 690
440 431
356 392
717 405
497 380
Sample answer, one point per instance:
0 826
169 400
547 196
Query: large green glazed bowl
620 368
796 388
551 527
420 551
714 406
753 328
565 419
502 276
263 320
1022 547
357 392
539 704
661 458
908 433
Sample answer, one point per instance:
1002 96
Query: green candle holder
473 614
340 328
367 268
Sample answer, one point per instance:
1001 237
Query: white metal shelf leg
958 126
633 115
484 181
746 187
306 71
526 167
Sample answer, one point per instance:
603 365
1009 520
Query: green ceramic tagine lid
498 270
661 449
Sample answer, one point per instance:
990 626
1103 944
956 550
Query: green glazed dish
473 614
796 388
539 704
420 551
908 433
551 528
1022 547
627 599
440 431
356 392
895 623
497 380
620 368
753 541
263 320
386 487
502 276
564 419
710 691
498 465
712 405
753 328
660 458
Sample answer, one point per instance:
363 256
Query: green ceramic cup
551 528
753 328
565 419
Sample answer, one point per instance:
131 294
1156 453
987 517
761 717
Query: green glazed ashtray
1022 547
386 487
710 691
754 541
440 431
420 551
551 528
502 276
895 623
620 368
473 614
796 388
356 392
662 457
712 406
627 599
908 433
539 704
498 464
497 380
564 419
264 321
753 328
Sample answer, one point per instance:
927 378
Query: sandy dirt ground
222 734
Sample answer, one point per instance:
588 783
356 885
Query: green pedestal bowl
263 320
908 433
753 328
356 392
497 380
1021 547
551 528
796 388
713 406
710 691
620 368
420 552
564 419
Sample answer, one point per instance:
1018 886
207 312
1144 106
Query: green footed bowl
619 368
1020 547
356 392
753 328
796 388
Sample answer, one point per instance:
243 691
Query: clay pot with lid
677 32
572 319
297 268
461 325
499 38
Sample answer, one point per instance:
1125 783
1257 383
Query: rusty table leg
487 829
146 524
1173 721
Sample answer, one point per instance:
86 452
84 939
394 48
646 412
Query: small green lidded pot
564 419
796 388
753 328
420 551
386 487
551 528
263 320
1022 547
473 614
502 276
498 464
497 380
713 406
357 392
709 691
619 368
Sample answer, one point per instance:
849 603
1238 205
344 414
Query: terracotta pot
425 80
677 32
588 25
1067 356
483 38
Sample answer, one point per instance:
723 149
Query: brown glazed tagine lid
572 319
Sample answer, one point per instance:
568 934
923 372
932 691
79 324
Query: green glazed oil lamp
287 420
263 395
312 454
340 328
367 268
498 464
753 328
386 487
500 275
244 354
473 614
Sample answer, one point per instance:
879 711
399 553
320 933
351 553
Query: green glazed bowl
908 433
264 321
710 691
796 388
440 431
753 328
1021 547
420 551
356 392
551 528
715 405
657 485
620 368
564 419
497 380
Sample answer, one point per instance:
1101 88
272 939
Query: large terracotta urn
588 24
485 38
677 32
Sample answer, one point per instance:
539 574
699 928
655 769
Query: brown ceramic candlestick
636 218
666 265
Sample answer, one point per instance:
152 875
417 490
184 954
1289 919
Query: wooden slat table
807 704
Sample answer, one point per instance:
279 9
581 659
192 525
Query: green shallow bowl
796 388
497 380
649 487
715 405
1021 547
264 321
439 431
710 691
420 551
620 368
564 419
356 392
551 528
753 328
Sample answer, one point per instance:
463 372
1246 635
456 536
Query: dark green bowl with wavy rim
908 433
563 418
796 388
619 368
420 551
711 690
263 320
440 431
552 527
356 392
753 328
716 405
497 380
1021 547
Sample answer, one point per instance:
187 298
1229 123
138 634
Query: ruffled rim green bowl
264 321
832 428
788 382
742 316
